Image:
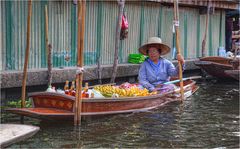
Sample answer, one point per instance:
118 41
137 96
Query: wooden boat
48 105
233 73
216 66
13 133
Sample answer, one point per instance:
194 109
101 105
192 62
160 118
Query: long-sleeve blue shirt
150 77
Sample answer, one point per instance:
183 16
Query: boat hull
59 106
215 66
233 73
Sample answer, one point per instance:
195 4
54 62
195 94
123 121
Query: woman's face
153 53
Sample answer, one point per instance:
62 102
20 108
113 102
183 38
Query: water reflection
209 119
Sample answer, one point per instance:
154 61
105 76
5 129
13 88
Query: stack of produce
136 58
116 91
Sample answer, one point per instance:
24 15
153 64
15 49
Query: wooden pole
79 77
117 39
46 29
176 25
205 33
26 54
48 49
99 70
49 64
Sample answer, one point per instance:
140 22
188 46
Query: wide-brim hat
154 42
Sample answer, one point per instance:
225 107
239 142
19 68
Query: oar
176 25
184 79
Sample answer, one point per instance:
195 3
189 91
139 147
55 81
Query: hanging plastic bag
124 27
124 22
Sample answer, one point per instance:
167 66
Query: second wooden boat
215 66
47 105
233 73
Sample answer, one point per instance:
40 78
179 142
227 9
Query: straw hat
154 42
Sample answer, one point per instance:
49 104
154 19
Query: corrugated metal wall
61 31
2 35
146 19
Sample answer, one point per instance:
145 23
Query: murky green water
209 119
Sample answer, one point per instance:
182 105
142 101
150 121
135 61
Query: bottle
85 93
66 87
49 89
72 89
92 95
222 52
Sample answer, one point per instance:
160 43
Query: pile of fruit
117 91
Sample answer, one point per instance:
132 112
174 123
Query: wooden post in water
205 33
48 49
79 77
117 39
176 25
26 54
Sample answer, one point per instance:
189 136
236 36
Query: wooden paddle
26 54
176 25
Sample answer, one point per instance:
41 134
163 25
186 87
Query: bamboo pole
117 39
205 33
99 70
79 77
23 103
48 49
176 25
46 29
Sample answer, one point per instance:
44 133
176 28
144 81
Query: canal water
208 119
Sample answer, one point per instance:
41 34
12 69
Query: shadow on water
208 119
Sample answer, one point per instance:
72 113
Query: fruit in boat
109 91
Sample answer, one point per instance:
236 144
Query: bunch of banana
135 91
105 90
108 91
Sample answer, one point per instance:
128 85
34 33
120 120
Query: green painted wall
145 19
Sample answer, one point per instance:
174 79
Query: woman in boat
156 70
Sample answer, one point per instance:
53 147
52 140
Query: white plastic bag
97 94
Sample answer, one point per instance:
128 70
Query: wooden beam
48 49
117 39
79 77
26 54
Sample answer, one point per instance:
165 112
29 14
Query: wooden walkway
13 133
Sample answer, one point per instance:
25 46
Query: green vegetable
17 104
136 58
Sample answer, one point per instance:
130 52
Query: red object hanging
124 22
